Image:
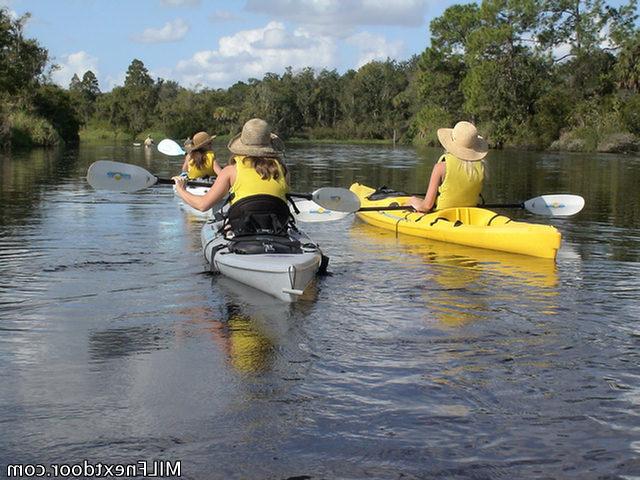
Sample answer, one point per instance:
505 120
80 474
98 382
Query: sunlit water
413 359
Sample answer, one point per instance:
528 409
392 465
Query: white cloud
561 51
410 13
252 53
374 47
77 63
113 81
222 16
170 32
180 3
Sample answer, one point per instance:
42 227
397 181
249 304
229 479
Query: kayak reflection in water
239 336
256 169
457 178
200 160
247 348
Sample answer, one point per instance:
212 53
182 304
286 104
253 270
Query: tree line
530 73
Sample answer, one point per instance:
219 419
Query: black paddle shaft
410 208
390 207
190 183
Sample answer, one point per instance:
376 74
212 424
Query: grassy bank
582 140
351 141
96 132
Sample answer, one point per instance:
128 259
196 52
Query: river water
412 359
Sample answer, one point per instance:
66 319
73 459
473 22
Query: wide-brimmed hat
200 139
256 140
463 141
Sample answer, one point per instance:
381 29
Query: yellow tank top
206 170
248 182
458 190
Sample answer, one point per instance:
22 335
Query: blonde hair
470 171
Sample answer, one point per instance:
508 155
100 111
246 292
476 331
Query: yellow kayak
471 226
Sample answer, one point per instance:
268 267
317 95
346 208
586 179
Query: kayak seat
260 244
383 192
259 214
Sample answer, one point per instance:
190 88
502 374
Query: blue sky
216 43
213 43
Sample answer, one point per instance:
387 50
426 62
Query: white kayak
189 208
308 210
281 266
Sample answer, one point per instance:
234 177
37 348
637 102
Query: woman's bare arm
436 179
218 190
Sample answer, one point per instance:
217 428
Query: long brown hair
198 157
266 167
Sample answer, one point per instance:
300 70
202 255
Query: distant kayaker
148 142
200 161
256 177
457 178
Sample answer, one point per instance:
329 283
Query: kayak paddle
310 212
332 198
561 205
123 177
170 147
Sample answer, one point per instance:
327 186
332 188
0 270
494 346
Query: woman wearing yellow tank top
200 161
256 169
456 180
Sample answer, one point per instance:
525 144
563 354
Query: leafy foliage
32 111
528 72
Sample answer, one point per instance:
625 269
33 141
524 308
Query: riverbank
579 140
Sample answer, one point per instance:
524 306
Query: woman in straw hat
256 169
200 161
456 180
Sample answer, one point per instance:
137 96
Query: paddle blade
169 147
310 212
555 205
338 199
118 177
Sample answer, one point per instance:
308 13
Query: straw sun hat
463 141
200 139
256 140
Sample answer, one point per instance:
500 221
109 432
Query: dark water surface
412 360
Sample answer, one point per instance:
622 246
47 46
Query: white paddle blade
169 147
338 199
118 177
310 212
555 205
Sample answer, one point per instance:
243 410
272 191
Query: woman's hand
180 182
417 204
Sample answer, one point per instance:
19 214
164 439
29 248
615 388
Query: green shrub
96 131
29 130
630 114
426 123
55 104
